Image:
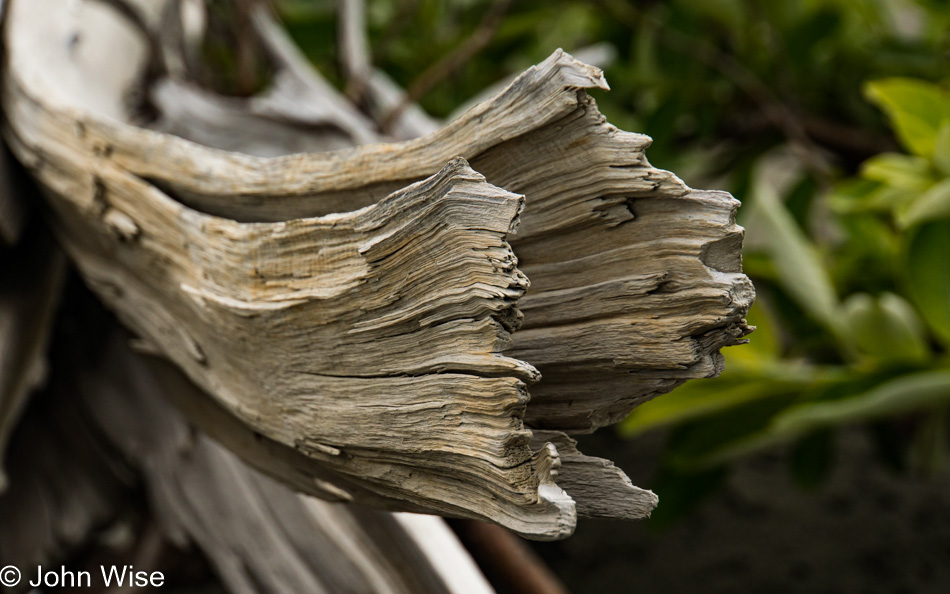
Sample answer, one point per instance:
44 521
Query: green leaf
899 171
694 400
886 329
906 393
942 149
927 265
931 205
797 261
858 195
917 110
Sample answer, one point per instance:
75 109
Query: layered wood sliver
360 311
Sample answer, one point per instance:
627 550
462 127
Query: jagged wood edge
260 536
623 257
599 488
386 476
651 388
173 274
103 425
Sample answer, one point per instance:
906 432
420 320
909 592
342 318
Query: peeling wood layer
362 324
103 427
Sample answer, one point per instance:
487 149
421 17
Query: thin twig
507 561
245 52
354 48
451 62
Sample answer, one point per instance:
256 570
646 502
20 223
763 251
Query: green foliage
918 111
890 332
928 275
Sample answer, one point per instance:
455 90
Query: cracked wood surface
635 277
103 426
259 535
356 318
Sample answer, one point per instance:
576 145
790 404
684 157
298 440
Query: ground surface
864 530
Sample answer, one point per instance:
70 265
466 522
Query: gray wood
104 425
359 309
259 535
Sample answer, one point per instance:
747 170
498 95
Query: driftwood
61 488
357 313
258 535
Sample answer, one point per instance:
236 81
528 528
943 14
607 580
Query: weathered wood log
368 343
62 487
259 535
636 279
68 486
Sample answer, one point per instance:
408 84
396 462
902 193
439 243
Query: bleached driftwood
260 536
61 488
69 484
299 112
634 276
383 326
368 343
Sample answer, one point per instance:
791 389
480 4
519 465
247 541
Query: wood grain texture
369 341
64 488
361 312
260 536
635 278
103 429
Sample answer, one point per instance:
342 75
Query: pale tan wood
356 318
259 535
368 341
103 427
598 218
